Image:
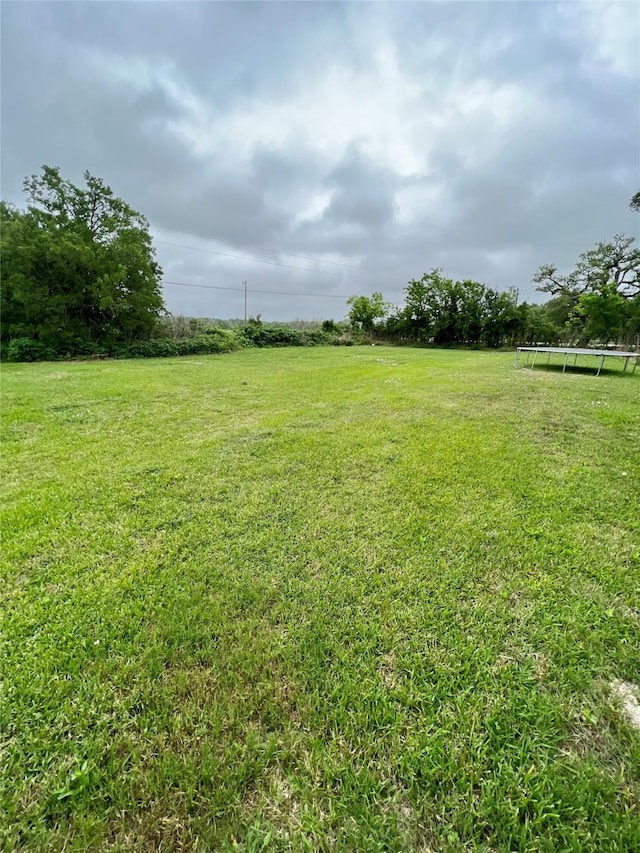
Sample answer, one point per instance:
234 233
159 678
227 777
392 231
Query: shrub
222 340
155 348
26 349
271 335
81 347
207 339
318 337
213 341
259 334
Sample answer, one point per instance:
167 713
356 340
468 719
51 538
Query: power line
203 286
241 290
244 258
268 248
317 260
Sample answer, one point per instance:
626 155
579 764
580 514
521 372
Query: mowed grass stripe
359 599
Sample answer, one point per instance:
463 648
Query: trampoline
575 352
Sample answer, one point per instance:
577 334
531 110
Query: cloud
610 31
483 137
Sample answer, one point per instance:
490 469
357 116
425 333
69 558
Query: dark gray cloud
483 137
363 195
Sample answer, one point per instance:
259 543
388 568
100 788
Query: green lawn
332 599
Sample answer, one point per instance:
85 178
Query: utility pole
245 301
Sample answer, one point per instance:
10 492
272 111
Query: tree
536 325
423 299
78 266
634 204
616 262
602 314
501 320
447 311
599 299
366 310
463 313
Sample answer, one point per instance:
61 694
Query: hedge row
278 335
215 340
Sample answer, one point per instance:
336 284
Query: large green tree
365 310
501 320
601 294
78 266
424 298
457 312
615 262
603 314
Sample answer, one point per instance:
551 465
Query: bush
273 335
207 339
26 349
74 347
222 340
178 327
213 341
157 348
259 334
318 337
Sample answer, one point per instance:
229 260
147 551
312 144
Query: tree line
80 277
598 302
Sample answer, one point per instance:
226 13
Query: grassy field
334 599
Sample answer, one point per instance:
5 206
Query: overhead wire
245 258
267 248
253 260
260 260
241 290
256 260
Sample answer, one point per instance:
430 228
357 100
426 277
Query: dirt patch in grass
629 697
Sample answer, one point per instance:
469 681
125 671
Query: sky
318 150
